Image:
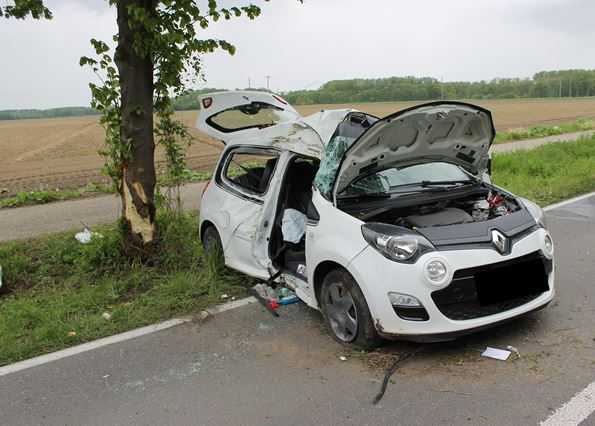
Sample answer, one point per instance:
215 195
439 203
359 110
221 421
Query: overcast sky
304 45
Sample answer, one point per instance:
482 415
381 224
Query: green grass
543 131
29 198
58 289
549 173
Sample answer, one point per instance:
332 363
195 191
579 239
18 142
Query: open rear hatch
453 132
242 114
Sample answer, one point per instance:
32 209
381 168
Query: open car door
241 115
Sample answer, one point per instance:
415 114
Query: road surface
244 367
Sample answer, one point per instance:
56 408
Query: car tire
211 242
346 311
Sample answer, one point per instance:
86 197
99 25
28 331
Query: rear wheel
211 242
346 312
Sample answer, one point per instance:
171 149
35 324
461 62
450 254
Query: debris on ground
106 316
86 236
343 358
0 277
495 353
71 333
391 370
514 351
272 298
224 296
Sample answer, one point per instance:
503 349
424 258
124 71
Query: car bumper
377 276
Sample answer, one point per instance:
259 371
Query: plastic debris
343 358
288 300
514 351
224 296
106 316
86 236
71 333
495 353
271 298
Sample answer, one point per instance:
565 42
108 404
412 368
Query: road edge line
569 201
580 406
117 338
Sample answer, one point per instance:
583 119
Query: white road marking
132 334
569 201
574 411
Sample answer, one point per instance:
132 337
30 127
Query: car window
390 179
250 170
253 115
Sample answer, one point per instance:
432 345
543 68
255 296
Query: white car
390 227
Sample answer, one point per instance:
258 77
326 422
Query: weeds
549 173
544 131
56 289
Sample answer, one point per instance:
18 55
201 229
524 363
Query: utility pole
442 87
570 88
249 83
268 77
560 87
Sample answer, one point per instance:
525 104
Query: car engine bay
482 204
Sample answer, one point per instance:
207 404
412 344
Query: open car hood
445 131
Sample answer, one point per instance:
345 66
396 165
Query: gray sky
304 45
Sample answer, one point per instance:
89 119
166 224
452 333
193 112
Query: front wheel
346 312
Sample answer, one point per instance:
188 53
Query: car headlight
395 242
536 211
548 245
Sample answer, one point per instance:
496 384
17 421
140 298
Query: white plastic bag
293 225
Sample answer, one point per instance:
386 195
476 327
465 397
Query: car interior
296 194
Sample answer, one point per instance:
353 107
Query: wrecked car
389 226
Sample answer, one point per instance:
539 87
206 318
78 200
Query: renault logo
499 241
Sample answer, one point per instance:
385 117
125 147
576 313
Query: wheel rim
341 312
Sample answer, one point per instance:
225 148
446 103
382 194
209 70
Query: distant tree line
21 114
546 84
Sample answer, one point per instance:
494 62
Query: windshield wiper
429 183
374 195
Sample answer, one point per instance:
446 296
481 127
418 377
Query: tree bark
138 183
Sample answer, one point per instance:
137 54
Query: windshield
391 180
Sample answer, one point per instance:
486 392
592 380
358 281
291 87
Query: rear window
253 115
250 170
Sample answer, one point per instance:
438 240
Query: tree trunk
138 182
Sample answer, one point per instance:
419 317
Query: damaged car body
390 227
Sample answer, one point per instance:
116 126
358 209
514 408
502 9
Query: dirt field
62 153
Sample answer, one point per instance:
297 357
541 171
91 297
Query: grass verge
549 173
56 289
29 198
543 131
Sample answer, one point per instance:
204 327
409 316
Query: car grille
491 289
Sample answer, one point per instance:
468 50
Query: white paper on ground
495 353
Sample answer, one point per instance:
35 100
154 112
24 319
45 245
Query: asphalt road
28 222
244 367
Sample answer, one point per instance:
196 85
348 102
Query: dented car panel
405 236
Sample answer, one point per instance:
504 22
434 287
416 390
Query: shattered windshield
390 180
327 172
